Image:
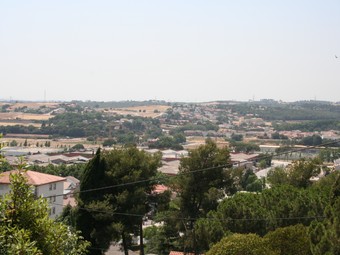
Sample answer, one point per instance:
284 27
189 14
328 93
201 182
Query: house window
52 199
53 210
54 186
51 186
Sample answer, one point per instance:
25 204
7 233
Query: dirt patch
194 142
151 111
14 123
23 116
33 105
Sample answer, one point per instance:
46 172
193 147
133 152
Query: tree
25 227
298 174
200 184
236 137
108 214
92 225
78 147
325 235
245 244
109 142
200 175
13 143
312 140
179 138
291 240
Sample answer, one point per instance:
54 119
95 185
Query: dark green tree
325 235
200 184
202 179
112 214
94 226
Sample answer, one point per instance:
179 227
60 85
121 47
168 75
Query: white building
337 164
45 185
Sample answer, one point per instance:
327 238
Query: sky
178 50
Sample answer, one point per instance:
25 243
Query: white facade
4 188
337 164
54 193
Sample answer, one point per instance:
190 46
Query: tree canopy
112 214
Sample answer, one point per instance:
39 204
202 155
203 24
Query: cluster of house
45 156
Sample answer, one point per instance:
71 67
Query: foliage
157 241
236 137
109 142
244 147
298 174
166 142
199 190
289 111
75 170
277 135
25 227
78 147
90 123
247 244
329 155
313 140
309 126
204 126
291 240
325 235
279 206
105 215
4 165
242 180
199 186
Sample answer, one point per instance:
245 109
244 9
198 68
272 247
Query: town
59 141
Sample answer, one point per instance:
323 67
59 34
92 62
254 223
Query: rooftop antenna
45 95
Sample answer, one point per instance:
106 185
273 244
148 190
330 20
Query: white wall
53 192
4 188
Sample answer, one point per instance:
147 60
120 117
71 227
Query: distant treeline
287 111
89 124
309 126
119 104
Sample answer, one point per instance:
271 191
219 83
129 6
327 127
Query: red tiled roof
159 188
33 178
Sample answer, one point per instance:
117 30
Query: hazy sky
174 50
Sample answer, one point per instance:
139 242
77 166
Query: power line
197 218
195 171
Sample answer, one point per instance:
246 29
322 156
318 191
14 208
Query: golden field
142 111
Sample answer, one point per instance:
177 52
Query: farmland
150 111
